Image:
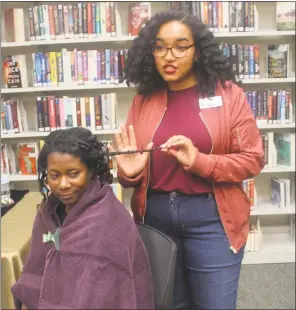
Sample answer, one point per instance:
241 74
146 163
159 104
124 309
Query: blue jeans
207 271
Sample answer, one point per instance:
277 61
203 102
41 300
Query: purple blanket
99 261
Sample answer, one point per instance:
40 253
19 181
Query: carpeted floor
267 286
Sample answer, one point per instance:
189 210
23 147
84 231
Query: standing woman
191 189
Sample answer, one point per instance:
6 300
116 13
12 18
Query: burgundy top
181 118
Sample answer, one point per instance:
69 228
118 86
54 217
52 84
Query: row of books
66 68
74 20
220 16
78 67
245 60
101 112
52 113
280 192
254 240
21 158
279 149
270 106
250 191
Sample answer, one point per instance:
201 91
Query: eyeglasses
177 51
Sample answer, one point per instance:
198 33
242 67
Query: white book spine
83 115
46 21
103 18
92 113
74 111
19 25
106 111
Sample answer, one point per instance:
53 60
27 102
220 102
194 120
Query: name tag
212 102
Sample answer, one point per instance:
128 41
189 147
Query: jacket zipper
231 247
239 138
148 178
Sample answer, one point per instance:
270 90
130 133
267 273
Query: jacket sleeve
132 117
246 156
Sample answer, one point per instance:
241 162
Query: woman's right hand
129 164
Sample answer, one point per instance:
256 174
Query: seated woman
86 252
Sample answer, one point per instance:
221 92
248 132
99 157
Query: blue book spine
283 106
251 62
107 64
38 69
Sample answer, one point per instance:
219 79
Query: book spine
232 16
103 18
57 113
45 12
210 15
80 68
98 20
94 13
78 112
240 57
269 107
98 112
252 16
46 114
246 62
52 113
240 15
75 21
116 65
66 21
108 19
61 22
251 62
112 72
71 21
283 105
36 23
51 22
85 66
80 20
89 19
53 69
48 71
99 71
288 105
41 22
31 25
246 17
265 105
259 105
112 19
38 69
56 20
215 16
84 20
60 67
278 106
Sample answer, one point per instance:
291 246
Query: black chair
162 252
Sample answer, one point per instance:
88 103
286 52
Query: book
285 16
138 14
277 64
15 71
285 148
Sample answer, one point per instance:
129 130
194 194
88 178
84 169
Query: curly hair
211 66
78 142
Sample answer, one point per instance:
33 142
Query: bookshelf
277 225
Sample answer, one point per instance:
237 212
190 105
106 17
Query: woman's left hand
182 148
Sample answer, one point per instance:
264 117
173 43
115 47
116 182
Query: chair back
162 252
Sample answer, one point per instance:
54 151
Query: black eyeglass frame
171 48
